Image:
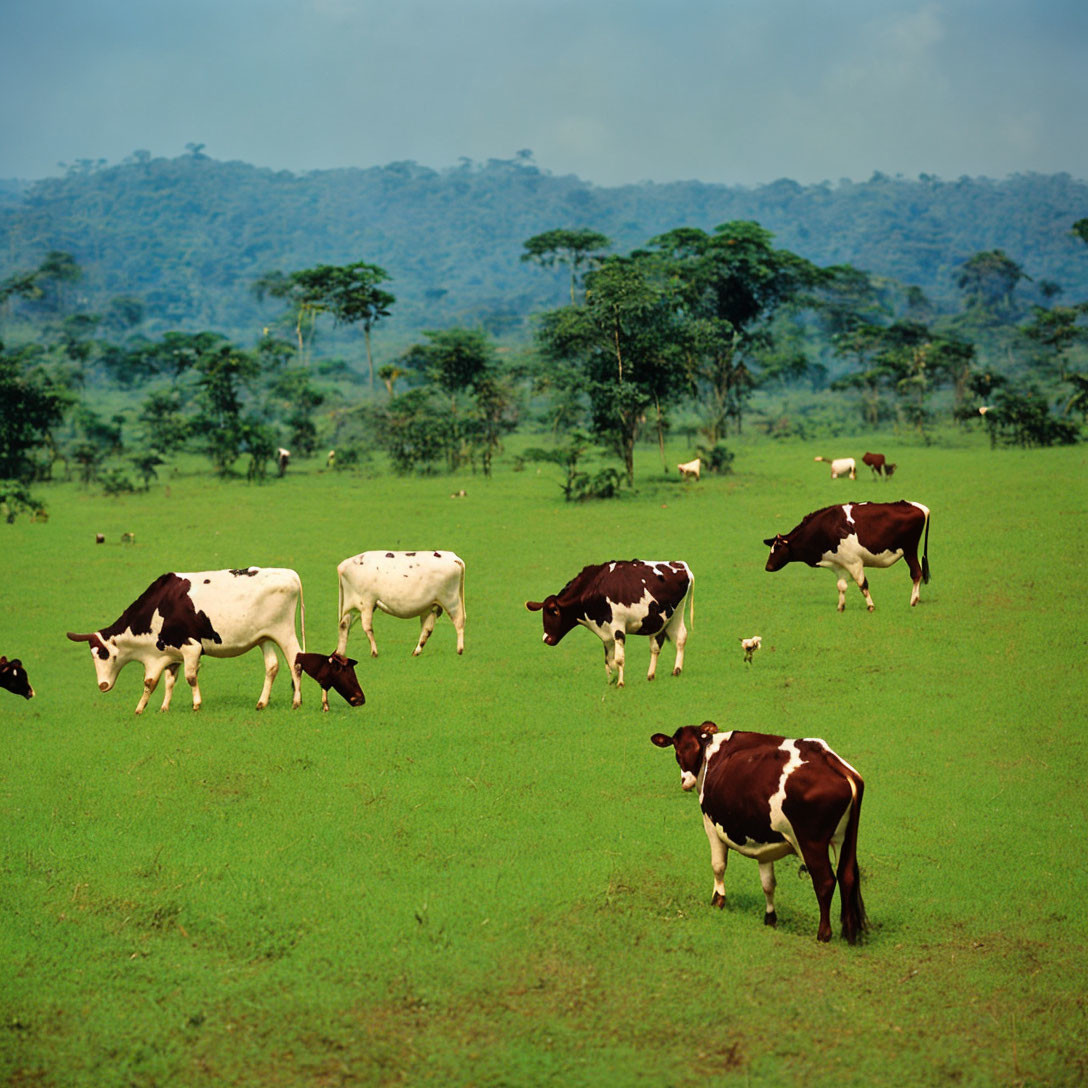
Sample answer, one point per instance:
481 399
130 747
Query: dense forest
169 307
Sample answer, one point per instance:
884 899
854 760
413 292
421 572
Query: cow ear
352 662
771 541
661 740
534 606
3 660
709 728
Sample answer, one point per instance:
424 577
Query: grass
488 875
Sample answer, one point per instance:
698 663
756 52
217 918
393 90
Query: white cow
691 468
221 613
402 584
841 466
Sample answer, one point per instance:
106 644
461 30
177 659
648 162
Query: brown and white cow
767 797
221 613
879 464
848 538
690 469
13 677
402 584
333 671
621 598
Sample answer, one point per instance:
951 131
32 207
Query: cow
283 459
333 671
848 538
749 646
767 797
13 677
841 466
879 464
402 584
690 468
221 613
621 598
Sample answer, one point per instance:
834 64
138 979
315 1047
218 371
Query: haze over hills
190 235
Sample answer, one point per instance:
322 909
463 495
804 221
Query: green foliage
31 406
1023 418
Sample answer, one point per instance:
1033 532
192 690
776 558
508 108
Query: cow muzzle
104 686
548 640
687 781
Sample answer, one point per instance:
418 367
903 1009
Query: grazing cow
283 459
841 466
879 464
13 677
750 645
330 461
691 468
849 538
221 613
623 598
333 671
402 584
767 797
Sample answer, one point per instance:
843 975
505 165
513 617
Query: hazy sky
733 91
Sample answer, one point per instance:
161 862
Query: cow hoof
373 653
260 706
718 900
676 672
841 608
649 677
871 607
770 919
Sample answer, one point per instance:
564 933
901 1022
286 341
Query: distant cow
691 468
283 459
621 598
221 613
879 464
333 671
847 539
767 797
749 646
13 677
402 584
841 466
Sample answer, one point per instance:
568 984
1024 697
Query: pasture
488 875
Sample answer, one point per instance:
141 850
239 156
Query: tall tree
576 248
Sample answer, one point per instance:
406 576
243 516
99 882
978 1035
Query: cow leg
818 864
858 574
366 621
609 648
426 626
192 666
656 642
342 629
719 856
271 668
457 614
680 636
841 586
915 569
619 655
168 686
151 681
325 700
766 878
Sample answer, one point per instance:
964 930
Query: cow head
557 619
106 657
689 742
13 677
889 469
780 552
334 671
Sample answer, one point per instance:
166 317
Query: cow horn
79 638
534 606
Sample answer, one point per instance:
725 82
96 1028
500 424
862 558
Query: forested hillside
190 235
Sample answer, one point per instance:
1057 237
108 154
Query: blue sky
729 91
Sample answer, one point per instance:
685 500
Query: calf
847 539
623 598
841 466
334 671
402 584
767 797
13 677
181 617
879 464
691 468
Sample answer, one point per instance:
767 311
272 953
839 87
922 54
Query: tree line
693 324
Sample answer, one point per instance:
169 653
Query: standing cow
221 613
847 539
402 584
879 464
767 797
621 598
841 466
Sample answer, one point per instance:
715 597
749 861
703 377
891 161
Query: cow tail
854 922
925 553
461 591
691 600
302 611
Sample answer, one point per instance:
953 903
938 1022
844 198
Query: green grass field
488 875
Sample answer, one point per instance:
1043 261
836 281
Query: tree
988 280
1055 332
578 248
224 374
354 297
31 405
